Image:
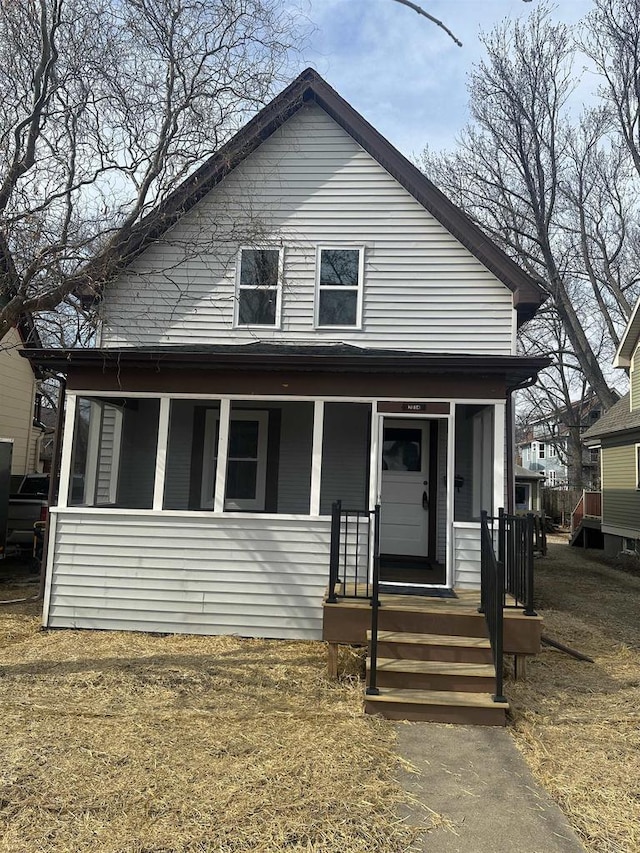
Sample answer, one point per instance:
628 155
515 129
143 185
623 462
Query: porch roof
274 357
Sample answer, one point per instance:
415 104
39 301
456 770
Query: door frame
434 484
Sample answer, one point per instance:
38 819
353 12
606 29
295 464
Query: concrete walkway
475 778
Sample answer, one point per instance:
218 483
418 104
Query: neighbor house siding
311 184
466 547
253 576
17 393
620 497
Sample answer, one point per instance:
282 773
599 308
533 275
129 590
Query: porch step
437 706
435 675
438 647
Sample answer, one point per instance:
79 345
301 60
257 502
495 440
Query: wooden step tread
436 697
431 639
434 667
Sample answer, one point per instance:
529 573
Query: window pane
243 439
259 267
241 480
257 307
402 449
339 266
338 308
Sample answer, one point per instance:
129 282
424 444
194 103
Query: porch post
374 465
223 454
451 473
93 441
316 457
161 453
67 449
499 435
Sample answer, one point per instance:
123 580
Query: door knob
425 501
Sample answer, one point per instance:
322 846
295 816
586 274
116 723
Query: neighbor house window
340 274
637 466
553 451
258 287
523 496
541 450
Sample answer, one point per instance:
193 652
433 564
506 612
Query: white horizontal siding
466 545
311 184
187 574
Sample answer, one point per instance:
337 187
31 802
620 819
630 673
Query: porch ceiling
274 357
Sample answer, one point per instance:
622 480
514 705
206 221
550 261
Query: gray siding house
314 322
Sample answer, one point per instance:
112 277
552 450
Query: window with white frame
246 460
637 466
258 287
552 477
541 450
552 451
339 286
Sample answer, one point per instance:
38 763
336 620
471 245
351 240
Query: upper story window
339 293
541 450
258 287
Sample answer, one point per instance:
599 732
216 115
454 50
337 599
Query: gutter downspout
510 415
53 480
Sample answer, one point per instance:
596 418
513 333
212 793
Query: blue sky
401 72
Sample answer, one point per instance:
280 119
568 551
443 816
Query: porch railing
353 542
492 594
590 505
517 541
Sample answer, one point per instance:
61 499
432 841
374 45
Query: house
18 394
528 484
315 323
544 446
617 435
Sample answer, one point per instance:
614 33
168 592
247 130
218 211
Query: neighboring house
18 396
527 490
617 434
317 322
544 447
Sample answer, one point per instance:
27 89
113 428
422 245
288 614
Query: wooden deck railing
589 505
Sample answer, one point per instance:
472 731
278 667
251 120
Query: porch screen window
339 287
246 461
258 287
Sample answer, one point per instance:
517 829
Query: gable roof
619 419
630 339
310 87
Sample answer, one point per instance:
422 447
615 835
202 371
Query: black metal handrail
372 687
516 545
492 600
350 552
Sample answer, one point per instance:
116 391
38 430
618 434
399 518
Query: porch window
339 287
258 287
246 460
114 453
268 452
474 461
346 454
637 466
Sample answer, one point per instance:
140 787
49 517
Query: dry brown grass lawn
130 743
578 724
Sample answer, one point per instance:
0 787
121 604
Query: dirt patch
578 724
131 743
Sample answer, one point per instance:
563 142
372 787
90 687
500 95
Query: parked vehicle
28 504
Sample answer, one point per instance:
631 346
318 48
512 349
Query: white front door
404 513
